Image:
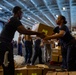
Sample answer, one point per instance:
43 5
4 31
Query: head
17 11
61 20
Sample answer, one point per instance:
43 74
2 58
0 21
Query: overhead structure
40 11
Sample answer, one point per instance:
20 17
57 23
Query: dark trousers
5 47
28 50
37 53
71 58
64 57
20 49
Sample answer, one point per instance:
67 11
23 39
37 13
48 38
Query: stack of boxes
51 73
56 54
30 70
61 73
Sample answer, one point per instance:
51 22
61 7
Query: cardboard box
18 71
62 73
1 71
35 71
51 73
58 47
31 66
43 28
54 57
56 51
60 58
28 70
0 67
59 52
45 71
72 73
21 71
42 66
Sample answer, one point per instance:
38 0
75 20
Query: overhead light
28 18
57 15
36 22
63 8
0 8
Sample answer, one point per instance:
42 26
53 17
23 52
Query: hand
47 38
41 35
